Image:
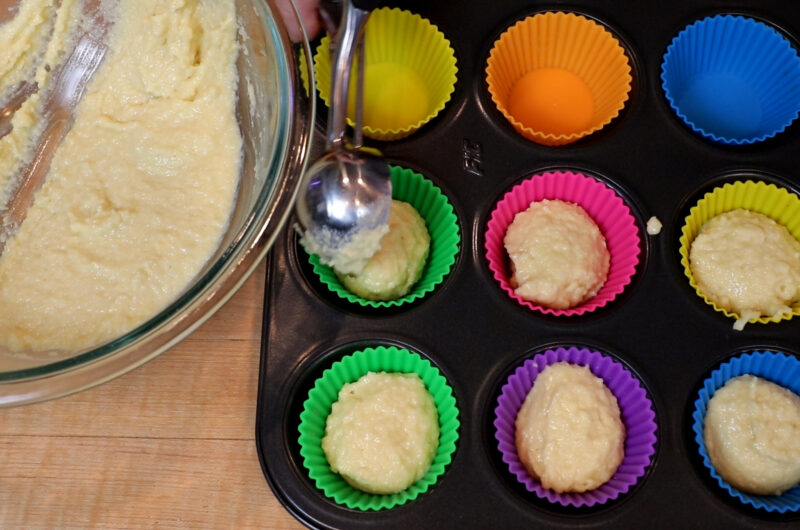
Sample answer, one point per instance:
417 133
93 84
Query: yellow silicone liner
564 41
779 204
303 66
409 76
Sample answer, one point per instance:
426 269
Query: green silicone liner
442 224
326 391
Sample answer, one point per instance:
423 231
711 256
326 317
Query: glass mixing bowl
276 117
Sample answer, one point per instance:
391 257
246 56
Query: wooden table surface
170 444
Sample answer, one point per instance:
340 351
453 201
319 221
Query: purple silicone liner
636 410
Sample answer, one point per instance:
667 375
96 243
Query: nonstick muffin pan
657 328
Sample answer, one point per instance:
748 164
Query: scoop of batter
382 432
397 265
569 433
745 262
752 433
558 255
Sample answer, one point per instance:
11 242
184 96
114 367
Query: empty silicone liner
732 79
636 412
603 205
778 368
442 224
557 77
409 75
775 202
325 392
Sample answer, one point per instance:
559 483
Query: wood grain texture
169 445
72 482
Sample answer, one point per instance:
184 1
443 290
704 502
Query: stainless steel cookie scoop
346 196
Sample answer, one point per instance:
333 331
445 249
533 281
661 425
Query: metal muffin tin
476 335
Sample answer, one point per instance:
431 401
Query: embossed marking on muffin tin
475 334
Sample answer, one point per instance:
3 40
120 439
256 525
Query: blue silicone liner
732 79
779 368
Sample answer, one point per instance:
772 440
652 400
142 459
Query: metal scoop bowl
344 202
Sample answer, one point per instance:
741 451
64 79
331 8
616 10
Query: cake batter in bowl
180 168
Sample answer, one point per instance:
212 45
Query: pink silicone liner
603 205
636 411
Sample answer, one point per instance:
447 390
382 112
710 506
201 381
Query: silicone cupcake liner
636 411
569 43
732 79
409 77
778 368
603 205
326 391
442 224
304 74
775 202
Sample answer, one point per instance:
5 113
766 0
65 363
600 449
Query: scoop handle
366 5
345 43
